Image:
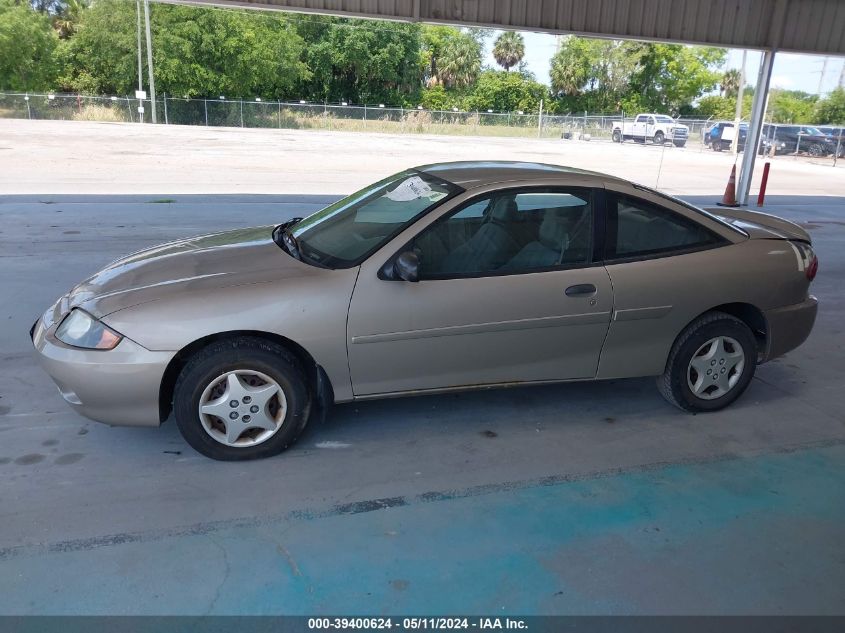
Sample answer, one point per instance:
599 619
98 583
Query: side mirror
407 266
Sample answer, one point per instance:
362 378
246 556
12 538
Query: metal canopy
811 26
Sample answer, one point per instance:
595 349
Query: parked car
791 139
657 128
720 136
838 136
445 277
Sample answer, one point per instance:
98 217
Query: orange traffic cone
729 199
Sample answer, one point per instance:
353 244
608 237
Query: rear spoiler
744 219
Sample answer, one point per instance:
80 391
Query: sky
791 71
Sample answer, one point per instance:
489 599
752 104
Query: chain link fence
302 115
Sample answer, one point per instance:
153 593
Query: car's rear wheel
241 398
816 150
711 363
617 136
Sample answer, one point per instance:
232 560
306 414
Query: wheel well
174 367
753 317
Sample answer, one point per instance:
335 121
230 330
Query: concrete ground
577 499
62 157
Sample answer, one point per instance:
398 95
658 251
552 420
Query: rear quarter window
638 229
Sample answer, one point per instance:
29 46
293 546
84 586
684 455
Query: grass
94 112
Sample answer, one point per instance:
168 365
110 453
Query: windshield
812 130
346 233
664 119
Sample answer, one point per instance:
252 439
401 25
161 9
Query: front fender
310 310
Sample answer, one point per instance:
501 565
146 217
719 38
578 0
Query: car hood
218 260
761 225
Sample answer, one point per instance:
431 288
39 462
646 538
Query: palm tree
66 20
460 62
729 85
509 49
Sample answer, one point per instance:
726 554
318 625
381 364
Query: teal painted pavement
757 535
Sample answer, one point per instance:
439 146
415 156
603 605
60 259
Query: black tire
617 136
717 146
241 353
659 138
673 384
816 150
679 143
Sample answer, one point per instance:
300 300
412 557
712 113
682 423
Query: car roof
471 174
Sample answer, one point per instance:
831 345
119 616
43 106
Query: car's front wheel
711 363
659 139
241 398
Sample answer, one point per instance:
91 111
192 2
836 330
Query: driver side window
507 232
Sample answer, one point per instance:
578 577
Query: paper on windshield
410 189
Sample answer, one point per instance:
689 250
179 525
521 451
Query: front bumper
790 326
119 387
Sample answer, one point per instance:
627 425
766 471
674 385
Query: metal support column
755 127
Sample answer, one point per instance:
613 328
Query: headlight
80 329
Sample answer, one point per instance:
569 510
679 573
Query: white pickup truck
657 128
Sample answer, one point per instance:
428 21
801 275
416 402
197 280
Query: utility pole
821 79
842 77
738 113
140 64
150 58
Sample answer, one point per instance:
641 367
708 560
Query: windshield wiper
283 236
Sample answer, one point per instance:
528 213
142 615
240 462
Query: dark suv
838 136
792 139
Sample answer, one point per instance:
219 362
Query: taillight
813 268
807 260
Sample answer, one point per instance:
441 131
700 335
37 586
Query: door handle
581 290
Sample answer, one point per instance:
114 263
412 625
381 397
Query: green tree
572 66
236 53
506 92
729 85
720 107
509 49
672 76
595 71
831 109
438 98
450 57
197 52
792 106
361 60
27 43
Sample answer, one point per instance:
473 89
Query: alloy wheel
242 408
715 368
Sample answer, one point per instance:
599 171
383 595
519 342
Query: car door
650 127
640 126
664 274
518 300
